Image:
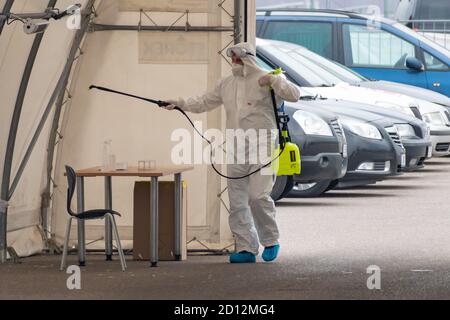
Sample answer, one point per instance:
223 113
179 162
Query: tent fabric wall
138 130
24 207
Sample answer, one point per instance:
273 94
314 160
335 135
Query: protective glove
266 80
172 105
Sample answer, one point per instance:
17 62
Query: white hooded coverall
248 106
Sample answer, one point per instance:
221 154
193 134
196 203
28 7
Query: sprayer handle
163 104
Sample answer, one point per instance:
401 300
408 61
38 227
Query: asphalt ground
401 226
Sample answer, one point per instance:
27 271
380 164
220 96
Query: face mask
238 70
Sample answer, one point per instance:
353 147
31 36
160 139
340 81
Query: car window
373 47
263 64
433 63
306 69
259 24
338 70
316 36
432 10
425 40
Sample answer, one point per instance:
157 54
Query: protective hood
250 64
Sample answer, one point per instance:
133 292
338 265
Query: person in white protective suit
248 104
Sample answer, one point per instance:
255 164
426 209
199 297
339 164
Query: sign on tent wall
173 48
164 5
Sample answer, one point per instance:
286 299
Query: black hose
158 102
211 154
165 104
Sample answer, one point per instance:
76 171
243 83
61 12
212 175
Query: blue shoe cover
271 253
243 257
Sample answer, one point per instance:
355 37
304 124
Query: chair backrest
71 183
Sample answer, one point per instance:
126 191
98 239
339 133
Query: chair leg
119 245
66 244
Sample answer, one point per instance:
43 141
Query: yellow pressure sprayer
289 161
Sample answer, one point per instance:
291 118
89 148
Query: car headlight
434 118
447 116
405 130
362 129
312 124
427 131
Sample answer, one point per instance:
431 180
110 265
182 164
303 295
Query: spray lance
290 162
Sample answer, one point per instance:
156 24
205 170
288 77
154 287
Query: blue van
379 49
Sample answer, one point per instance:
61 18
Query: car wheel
310 190
283 185
332 185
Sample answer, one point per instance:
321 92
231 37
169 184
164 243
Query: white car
433 114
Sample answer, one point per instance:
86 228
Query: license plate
430 152
345 151
403 160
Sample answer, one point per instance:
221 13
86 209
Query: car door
437 73
378 53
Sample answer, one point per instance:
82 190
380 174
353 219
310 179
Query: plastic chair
87 215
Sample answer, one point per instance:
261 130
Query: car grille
416 113
380 166
394 136
337 127
442 147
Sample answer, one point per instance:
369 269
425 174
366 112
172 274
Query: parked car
319 81
378 49
323 146
413 134
375 151
374 158
355 79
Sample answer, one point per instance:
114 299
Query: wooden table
133 172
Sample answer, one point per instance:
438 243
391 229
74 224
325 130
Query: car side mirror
414 64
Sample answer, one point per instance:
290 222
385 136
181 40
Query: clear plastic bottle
111 159
106 155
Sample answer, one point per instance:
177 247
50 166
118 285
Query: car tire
332 185
283 185
310 190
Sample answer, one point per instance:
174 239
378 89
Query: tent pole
46 194
237 22
104 27
6 9
7 168
60 87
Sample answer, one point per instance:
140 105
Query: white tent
49 118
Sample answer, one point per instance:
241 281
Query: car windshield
423 39
338 70
305 68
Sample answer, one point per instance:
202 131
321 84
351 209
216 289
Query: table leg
178 215
108 224
80 223
154 222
